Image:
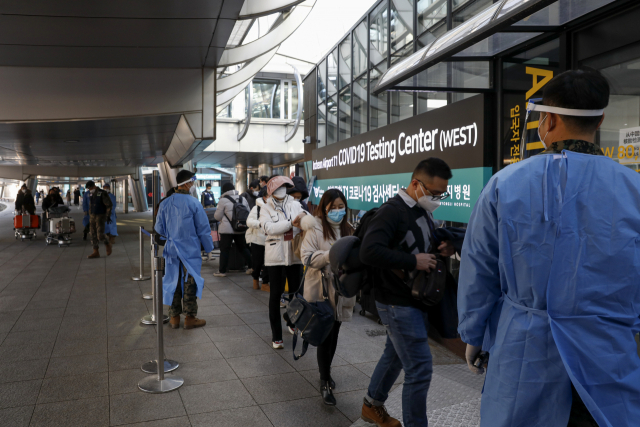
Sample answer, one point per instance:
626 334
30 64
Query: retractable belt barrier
159 383
142 277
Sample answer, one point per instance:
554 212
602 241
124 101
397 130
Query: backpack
240 214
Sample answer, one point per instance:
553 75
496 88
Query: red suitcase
26 221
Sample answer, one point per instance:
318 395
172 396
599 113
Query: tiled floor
71 347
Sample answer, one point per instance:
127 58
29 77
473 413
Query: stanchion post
159 383
141 277
150 319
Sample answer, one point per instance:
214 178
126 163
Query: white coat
276 220
255 233
316 247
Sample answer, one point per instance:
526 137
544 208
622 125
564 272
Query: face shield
533 141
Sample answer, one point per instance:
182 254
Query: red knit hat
277 182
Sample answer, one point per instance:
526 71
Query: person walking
280 219
24 201
399 238
76 197
224 214
299 191
321 231
86 219
263 181
182 221
252 193
68 197
255 237
37 197
111 229
100 208
548 274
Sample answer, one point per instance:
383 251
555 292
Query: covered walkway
71 346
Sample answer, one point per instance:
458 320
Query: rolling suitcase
26 221
368 304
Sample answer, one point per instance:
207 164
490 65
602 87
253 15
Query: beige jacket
316 247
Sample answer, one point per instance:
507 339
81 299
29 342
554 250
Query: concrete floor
71 346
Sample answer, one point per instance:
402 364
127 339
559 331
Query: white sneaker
278 345
218 274
291 331
249 271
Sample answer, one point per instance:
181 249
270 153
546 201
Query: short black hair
227 186
254 184
433 167
184 175
208 185
583 89
264 178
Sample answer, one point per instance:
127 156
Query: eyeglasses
441 196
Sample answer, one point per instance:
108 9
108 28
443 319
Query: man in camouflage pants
100 212
187 304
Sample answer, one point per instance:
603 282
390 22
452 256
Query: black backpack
240 214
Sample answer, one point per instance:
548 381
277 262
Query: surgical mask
255 194
280 193
24 190
540 136
335 216
427 203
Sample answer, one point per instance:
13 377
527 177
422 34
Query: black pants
279 275
225 249
326 351
580 415
257 256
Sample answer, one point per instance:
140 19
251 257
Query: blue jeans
407 348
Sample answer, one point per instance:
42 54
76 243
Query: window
322 81
345 62
431 13
360 49
401 106
379 34
429 101
332 120
463 10
332 72
378 107
266 99
322 125
401 26
345 113
359 97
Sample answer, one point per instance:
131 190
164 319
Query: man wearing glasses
399 239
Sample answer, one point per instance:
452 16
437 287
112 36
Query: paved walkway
72 345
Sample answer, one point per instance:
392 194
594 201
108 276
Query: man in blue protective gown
111 229
184 224
86 207
549 273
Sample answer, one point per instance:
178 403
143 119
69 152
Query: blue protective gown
112 228
550 271
86 207
182 220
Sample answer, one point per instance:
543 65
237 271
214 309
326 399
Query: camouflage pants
96 225
186 304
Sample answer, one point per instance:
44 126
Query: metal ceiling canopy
491 20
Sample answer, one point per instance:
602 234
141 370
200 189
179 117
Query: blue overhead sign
209 176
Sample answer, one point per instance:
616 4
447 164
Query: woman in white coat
321 231
280 218
256 237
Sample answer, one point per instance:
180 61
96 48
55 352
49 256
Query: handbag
429 287
314 320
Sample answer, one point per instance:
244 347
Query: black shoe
327 394
332 383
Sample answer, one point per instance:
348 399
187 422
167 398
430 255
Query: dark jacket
26 201
76 197
51 201
299 187
100 203
250 198
207 199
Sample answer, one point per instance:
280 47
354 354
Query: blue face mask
336 215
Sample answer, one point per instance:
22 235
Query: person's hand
471 354
296 222
446 249
425 262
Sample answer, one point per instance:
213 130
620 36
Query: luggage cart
213 224
60 226
25 226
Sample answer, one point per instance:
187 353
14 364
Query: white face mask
255 194
427 203
545 137
280 193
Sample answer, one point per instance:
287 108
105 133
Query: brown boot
112 240
378 415
256 284
95 254
109 247
265 287
191 322
175 322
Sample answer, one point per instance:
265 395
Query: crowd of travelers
546 299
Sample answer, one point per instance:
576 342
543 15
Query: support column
241 176
2 191
264 169
125 195
167 176
32 184
138 195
